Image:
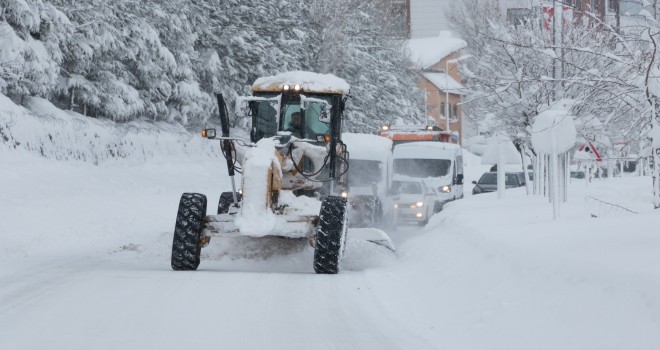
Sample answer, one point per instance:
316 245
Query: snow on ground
85 252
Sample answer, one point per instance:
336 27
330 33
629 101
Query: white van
369 177
439 164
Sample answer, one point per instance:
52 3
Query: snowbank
42 128
501 274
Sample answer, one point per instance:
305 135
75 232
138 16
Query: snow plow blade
372 235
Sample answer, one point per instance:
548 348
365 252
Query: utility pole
557 19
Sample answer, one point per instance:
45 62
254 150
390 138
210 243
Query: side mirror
474 182
459 179
208 133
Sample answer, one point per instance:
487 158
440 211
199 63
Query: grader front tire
186 246
331 235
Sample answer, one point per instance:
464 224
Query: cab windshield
421 168
303 123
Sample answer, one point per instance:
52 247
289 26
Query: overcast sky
428 17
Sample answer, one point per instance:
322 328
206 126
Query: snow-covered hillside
53 133
85 264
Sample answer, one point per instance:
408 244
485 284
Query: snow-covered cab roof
309 82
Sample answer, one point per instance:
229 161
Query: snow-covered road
84 264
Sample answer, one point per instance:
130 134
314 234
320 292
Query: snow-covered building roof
309 81
429 51
445 82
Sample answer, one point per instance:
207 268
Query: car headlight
396 206
445 189
344 194
420 204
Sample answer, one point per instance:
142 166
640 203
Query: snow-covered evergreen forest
164 60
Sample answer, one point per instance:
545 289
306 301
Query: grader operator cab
293 172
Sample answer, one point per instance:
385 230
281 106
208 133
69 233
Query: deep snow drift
85 249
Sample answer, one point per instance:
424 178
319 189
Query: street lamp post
447 92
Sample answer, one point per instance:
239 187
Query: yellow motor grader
293 169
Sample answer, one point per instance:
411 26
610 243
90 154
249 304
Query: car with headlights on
488 182
414 200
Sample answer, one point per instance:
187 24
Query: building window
455 111
630 8
442 109
575 3
518 16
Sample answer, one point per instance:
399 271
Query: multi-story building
434 51
516 10
422 18
437 63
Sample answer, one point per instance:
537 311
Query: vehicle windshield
302 123
406 187
362 173
421 168
264 114
491 179
577 174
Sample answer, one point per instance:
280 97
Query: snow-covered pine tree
32 31
95 76
239 41
115 65
359 41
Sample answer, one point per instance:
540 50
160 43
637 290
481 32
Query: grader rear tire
331 235
186 247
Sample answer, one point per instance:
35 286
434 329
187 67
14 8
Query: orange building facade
438 85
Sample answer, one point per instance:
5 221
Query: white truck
439 164
369 177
